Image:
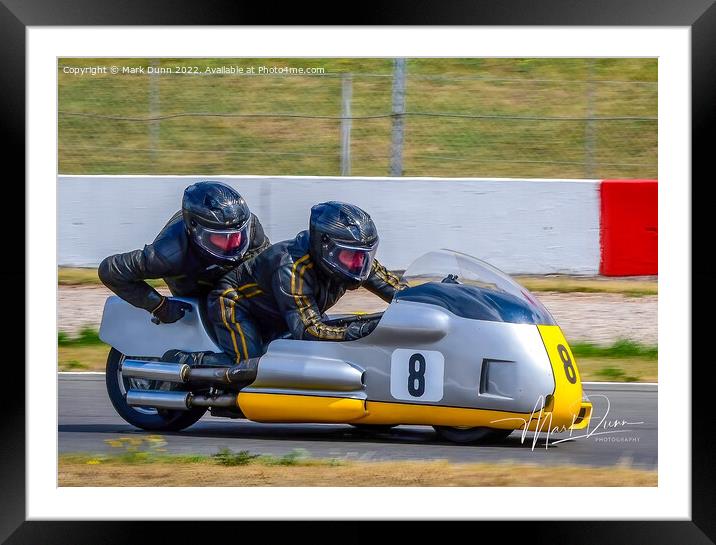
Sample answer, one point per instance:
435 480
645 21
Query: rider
212 233
289 286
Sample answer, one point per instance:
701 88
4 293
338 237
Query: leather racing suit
172 257
281 291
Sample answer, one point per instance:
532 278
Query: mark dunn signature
543 426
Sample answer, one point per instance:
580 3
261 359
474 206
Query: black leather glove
169 311
361 328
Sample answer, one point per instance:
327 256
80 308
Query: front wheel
472 435
374 428
146 418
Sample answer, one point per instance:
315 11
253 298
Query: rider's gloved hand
361 328
169 311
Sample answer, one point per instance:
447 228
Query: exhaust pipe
241 373
181 372
178 401
224 400
215 375
159 399
167 372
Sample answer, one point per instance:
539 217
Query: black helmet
218 220
343 241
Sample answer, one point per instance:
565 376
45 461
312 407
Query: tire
146 418
374 428
472 435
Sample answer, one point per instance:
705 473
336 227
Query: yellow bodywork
299 408
569 409
563 409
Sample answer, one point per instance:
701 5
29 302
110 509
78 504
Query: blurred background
492 117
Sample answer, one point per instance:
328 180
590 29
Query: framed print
449 135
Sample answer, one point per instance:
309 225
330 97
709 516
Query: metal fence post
347 95
589 126
396 151
154 111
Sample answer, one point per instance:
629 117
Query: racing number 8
416 376
567 361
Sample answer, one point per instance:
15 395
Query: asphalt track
623 431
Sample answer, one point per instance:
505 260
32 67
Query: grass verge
87 337
575 284
81 276
621 349
82 358
85 352
623 361
295 469
615 370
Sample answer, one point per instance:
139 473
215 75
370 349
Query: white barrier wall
520 226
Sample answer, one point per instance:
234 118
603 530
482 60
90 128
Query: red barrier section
629 227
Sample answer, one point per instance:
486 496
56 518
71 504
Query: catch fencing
484 121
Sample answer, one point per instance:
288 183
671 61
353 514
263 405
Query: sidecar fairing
129 329
482 352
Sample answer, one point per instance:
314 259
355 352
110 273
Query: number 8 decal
567 361
416 377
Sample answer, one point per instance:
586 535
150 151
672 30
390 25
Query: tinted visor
353 262
228 244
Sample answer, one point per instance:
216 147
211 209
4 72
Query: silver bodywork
465 362
129 329
517 370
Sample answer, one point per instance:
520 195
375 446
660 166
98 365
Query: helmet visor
351 261
228 244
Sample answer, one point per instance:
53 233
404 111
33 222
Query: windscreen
498 287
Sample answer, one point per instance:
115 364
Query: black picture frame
16 15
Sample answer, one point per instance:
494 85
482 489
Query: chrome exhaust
159 399
181 372
178 401
167 372
175 372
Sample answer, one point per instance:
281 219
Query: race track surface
87 419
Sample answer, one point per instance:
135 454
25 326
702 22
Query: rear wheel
147 418
472 435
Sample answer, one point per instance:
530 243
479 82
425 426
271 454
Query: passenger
212 233
288 287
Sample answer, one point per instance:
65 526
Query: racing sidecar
465 349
